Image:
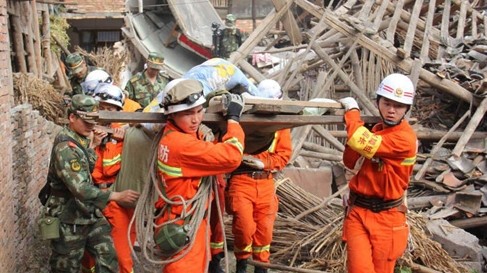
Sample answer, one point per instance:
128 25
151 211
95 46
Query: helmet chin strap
391 123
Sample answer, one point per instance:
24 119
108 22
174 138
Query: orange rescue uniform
130 105
107 166
217 238
183 160
375 240
253 202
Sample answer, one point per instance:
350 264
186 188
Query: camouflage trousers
68 250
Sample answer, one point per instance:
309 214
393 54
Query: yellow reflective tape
216 245
272 148
409 161
259 249
365 142
246 249
171 171
112 161
234 141
87 270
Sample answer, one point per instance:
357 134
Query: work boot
214 266
260 270
241 266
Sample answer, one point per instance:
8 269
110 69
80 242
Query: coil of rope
193 213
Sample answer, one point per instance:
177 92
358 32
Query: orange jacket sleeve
350 157
279 153
108 162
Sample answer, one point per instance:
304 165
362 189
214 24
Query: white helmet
269 89
93 79
108 93
182 94
397 87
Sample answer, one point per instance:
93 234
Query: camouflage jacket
230 42
74 198
142 90
76 82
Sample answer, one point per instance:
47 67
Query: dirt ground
146 267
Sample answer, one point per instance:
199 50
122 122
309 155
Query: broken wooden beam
470 222
427 135
266 121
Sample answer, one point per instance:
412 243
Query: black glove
234 104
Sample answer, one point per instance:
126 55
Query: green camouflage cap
74 62
155 60
230 20
82 104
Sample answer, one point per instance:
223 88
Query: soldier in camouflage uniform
78 69
231 37
145 85
75 200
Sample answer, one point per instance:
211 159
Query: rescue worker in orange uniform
106 169
184 161
375 228
251 195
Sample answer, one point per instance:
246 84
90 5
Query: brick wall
26 139
7 227
247 25
32 137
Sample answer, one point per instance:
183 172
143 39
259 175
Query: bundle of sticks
309 239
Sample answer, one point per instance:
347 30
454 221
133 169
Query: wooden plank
379 16
260 32
436 148
252 101
444 31
344 77
18 43
266 123
289 22
329 137
252 71
409 42
331 78
46 42
287 83
427 135
37 38
471 126
473 29
29 39
391 30
424 56
485 26
405 65
365 11
356 70
299 136
461 20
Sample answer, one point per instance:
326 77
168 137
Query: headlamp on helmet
110 94
185 94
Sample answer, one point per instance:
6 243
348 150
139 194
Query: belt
257 175
104 186
373 203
